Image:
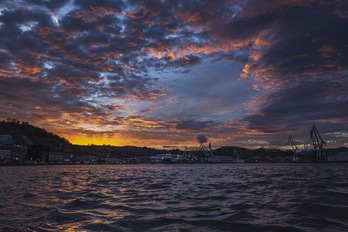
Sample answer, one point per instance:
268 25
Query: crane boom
318 144
292 143
316 139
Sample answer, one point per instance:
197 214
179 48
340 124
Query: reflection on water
222 197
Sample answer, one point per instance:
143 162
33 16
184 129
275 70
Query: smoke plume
201 138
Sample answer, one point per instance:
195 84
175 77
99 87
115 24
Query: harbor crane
318 144
291 142
294 148
206 150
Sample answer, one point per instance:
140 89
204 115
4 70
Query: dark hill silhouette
23 133
336 150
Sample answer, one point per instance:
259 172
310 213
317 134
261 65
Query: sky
162 73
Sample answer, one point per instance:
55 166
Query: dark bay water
221 197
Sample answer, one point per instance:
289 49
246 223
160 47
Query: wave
221 197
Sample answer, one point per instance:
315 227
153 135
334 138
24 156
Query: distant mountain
229 150
117 152
336 150
23 133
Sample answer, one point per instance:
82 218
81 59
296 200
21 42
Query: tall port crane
207 151
291 142
318 144
294 148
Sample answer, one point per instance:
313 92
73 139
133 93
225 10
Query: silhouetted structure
318 143
35 153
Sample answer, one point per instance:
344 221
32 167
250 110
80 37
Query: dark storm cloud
77 50
185 61
323 101
318 45
94 33
241 55
193 125
314 43
56 99
133 85
299 62
52 4
14 39
72 23
82 56
106 4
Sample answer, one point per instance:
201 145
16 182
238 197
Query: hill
25 134
118 152
336 150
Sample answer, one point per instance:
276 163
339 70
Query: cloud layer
159 72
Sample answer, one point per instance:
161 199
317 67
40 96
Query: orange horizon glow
119 141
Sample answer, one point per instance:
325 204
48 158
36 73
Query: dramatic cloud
159 72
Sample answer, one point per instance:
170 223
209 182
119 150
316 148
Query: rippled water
216 197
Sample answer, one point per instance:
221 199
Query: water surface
197 197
